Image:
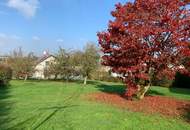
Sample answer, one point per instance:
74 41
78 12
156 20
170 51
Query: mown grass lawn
47 105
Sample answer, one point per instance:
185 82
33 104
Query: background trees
89 60
74 64
61 66
22 65
146 39
68 64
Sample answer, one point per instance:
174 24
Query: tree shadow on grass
45 114
33 122
183 91
5 107
120 89
59 108
55 110
22 125
116 89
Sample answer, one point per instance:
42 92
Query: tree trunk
26 77
85 80
67 79
142 91
55 77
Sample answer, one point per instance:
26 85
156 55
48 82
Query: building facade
41 65
3 59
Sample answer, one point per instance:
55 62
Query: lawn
48 105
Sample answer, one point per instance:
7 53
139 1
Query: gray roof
44 57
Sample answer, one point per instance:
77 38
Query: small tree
23 66
64 65
89 60
147 38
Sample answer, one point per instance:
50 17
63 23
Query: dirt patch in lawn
165 106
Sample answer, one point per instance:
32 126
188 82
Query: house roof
44 57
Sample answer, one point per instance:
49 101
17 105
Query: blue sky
37 25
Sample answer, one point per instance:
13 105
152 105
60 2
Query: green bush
181 81
5 74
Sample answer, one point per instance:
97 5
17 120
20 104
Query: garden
136 78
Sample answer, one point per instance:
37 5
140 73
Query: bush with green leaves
5 74
181 80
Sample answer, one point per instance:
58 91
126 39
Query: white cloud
36 38
59 40
27 7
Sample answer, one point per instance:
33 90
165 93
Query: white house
41 65
3 59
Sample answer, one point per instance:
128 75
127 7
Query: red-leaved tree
146 39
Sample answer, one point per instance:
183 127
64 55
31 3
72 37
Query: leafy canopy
147 38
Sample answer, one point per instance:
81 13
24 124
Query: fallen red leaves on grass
166 106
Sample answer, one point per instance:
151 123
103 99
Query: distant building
41 65
3 59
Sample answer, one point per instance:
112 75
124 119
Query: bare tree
22 65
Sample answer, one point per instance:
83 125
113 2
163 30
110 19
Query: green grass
179 93
49 105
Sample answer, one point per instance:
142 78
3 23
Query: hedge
5 74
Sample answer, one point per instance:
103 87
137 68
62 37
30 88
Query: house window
47 63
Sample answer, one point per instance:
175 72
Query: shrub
181 80
5 74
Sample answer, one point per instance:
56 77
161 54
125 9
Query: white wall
39 69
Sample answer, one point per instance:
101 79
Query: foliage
74 64
181 80
5 74
23 66
64 66
89 60
146 39
103 75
